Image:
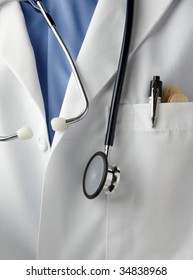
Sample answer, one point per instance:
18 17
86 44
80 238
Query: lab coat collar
154 23
98 58
17 52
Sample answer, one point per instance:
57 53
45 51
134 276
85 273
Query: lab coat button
42 144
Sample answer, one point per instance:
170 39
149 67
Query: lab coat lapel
147 31
98 58
17 52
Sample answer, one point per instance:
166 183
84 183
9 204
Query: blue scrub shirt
72 18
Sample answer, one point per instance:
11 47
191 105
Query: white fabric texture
43 212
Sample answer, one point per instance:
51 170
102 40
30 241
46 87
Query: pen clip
155 97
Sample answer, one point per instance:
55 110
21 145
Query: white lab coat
43 212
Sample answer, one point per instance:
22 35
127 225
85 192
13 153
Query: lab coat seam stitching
107 228
163 130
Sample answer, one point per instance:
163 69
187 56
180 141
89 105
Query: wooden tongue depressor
180 97
174 94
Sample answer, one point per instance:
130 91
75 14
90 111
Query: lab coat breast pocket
151 213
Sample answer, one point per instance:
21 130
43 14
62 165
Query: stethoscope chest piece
99 176
112 180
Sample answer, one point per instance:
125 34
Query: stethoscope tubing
110 175
120 76
52 26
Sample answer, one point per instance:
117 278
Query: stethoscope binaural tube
58 124
61 124
98 174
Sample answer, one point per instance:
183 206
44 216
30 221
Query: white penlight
59 124
24 133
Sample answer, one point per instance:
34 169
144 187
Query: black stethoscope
99 175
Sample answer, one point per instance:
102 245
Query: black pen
155 97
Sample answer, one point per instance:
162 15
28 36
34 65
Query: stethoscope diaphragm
99 176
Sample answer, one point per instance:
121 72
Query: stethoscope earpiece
59 124
24 133
99 176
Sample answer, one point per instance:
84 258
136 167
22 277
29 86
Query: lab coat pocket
150 214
